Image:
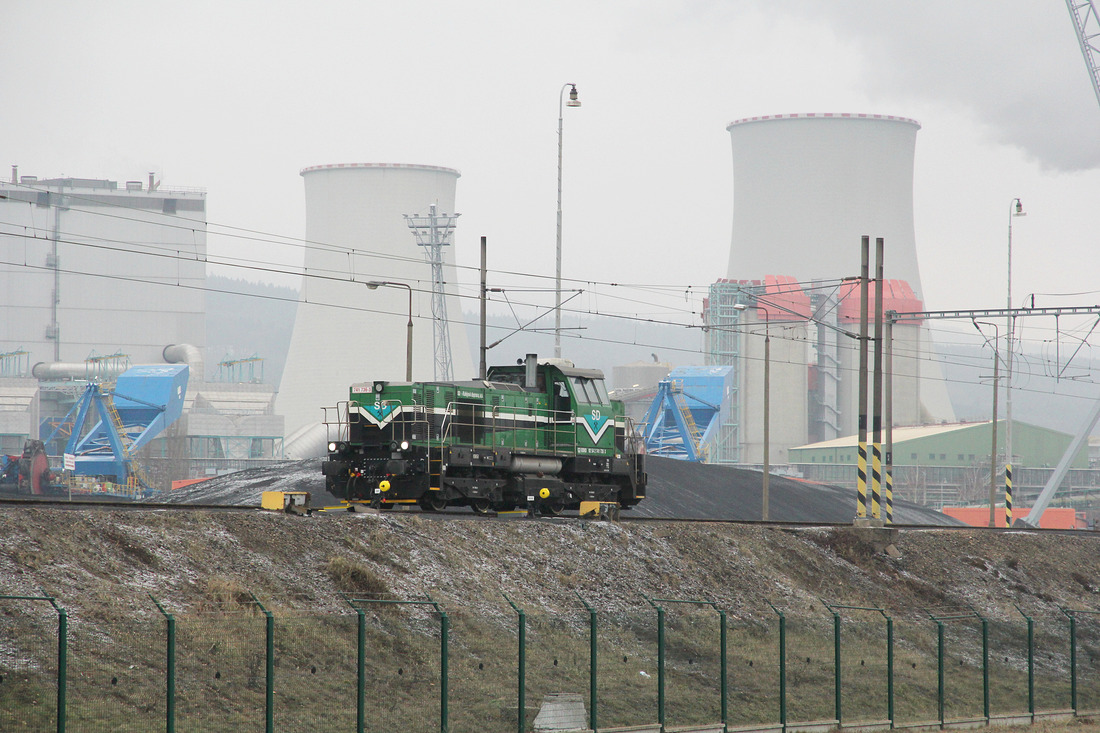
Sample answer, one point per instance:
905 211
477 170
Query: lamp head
373 284
740 307
1019 209
573 101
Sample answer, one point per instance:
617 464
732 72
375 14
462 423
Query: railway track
89 504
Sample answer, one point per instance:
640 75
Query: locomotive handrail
342 424
563 435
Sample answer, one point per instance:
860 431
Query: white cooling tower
343 331
806 187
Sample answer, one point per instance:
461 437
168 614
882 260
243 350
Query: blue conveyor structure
684 417
106 427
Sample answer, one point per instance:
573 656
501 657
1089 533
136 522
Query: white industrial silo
806 187
343 331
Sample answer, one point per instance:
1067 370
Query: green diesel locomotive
541 435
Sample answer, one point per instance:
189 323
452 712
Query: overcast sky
237 97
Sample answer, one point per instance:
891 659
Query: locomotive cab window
591 391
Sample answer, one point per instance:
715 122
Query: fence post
725 680
836 665
62 665
360 670
521 702
660 662
782 667
1072 659
444 664
592 678
985 670
269 671
1030 663
939 672
170 704
890 669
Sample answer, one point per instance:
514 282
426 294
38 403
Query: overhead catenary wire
671 291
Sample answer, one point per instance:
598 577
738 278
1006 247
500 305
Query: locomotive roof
567 370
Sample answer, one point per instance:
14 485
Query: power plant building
93 267
96 276
345 332
807 188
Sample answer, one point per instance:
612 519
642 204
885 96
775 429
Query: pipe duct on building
48 371
189 355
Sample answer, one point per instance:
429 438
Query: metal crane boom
1086 23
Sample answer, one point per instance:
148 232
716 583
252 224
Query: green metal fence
422 666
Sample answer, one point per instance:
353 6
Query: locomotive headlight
331 447
404 445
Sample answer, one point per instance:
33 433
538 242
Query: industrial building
948 464
346 331
96 277
92 266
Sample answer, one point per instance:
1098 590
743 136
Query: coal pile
245 488
687 490
677 490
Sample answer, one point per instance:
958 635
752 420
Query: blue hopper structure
687 412
106 427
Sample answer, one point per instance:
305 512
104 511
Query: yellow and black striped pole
889 491
888 419
876 481
876 402
861 476
861 470
1008 494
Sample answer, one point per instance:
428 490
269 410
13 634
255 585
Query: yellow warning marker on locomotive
544 493
383 485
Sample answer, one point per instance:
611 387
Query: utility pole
876 416
433 232
861 468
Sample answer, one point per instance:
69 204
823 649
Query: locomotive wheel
433 502
553 507
480 506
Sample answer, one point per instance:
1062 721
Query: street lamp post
1015 209
374 285
573 102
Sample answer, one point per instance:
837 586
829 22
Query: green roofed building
947 463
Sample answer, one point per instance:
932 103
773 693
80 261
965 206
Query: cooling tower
806 187
345 332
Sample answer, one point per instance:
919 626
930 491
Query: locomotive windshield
591 391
